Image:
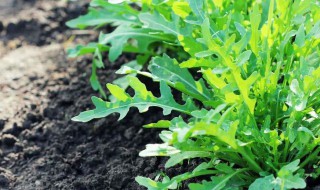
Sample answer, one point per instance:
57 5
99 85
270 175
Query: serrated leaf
119 37
190 45
143 99
228 137
157 22
216 183
118 92
213 79
177 158
97 17
167 69
255 18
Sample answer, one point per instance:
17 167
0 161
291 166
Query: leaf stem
310 157
253 164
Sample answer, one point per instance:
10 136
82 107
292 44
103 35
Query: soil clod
8 140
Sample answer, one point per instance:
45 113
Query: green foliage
143 99
248 72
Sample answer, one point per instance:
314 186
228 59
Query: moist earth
41 90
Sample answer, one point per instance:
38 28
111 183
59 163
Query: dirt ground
40 90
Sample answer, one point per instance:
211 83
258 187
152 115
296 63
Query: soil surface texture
41 90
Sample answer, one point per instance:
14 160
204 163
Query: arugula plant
253 116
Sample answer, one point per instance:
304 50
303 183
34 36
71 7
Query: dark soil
40 90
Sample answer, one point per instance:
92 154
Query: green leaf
87 49
177 158
143 99
204 53
300 37
119 37
240 28
98 59
118 92
150 184
241 44
159 124
167 69
158 150
157 22
190 45
97 17
204 63
265 183
294 182
197 9
289 168
255 18
287 179
216 183
227 137
95 83
243 57
181 9
111 7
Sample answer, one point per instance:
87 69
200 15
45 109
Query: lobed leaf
142 100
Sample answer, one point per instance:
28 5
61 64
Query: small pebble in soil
18 147
65 80
33 106
26 124
11 28
4 181
129 133
33 117
31 152
50 113
14 130
8 140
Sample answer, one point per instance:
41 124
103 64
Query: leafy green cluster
254 114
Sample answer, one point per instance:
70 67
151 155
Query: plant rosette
249 76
